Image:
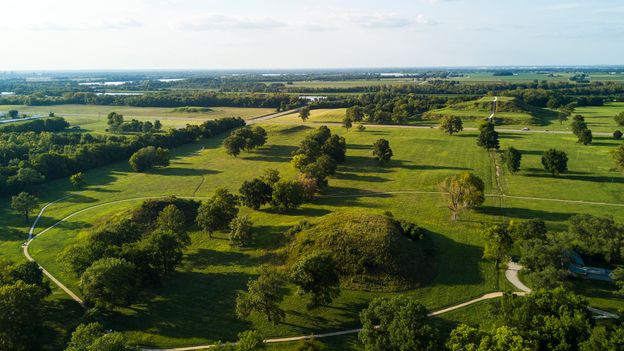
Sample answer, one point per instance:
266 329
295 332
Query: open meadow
92 118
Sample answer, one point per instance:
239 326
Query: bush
617 135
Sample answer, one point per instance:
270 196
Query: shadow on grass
10 234
360 177
272 153
188 305
294 130
302 211
457 263
525 213
177 171
584 178
205 258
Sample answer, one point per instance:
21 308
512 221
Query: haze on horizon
270 34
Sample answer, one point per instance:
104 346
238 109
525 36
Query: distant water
105 83
7 93
119 94
167 80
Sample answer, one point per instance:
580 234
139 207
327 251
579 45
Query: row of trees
30 158
116 124
54 124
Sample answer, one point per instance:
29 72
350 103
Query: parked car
525 129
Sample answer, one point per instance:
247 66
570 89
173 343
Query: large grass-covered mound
370 250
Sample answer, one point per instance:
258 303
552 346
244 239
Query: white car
525 129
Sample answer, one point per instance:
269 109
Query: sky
271 34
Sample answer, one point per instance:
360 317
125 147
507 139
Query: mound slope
370 250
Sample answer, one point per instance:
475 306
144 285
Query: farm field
212 271
93 117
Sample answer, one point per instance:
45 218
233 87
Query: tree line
30 158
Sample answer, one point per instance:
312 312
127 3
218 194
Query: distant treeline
30 158
164 99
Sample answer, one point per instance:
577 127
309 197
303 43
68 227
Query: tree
27 176
13 114
619 119
554 319
604 339
217 213
618 157
597 236
78 180
271 176
617 135
502 338
233 145
263 296
304 114
20 315
488 137
451 125
355 113
92 337
287 195
255 193
108 282
555 161
585 137
546 260
360 128
562 117
347 122
172 219
512 158
317 274
578 126
240 231
498 242
463 191
382 151
249 340
28 272
157 125
24 203
527 230
335 147
149 157
164 250
618 277
397 323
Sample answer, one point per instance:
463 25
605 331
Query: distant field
317 116
93 117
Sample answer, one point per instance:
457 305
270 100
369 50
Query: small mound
370 250
191 109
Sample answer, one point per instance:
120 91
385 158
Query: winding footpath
511 273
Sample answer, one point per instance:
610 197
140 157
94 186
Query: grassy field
196 303
93 117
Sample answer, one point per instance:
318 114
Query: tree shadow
205 258
12 234
584 178
301 211
178 171
525 213
294 130
469 273
190 305
79 198
359 177
272 153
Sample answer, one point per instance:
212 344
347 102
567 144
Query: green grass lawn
316 116
93 117
196 303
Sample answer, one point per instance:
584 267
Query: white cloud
381 20
223 22
115 24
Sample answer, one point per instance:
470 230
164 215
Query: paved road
3 121
273 115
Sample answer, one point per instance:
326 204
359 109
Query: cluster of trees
29 158
579 128
149 157
317 157
543 320
114 260
22 294
316 275
282 194
54 124
247 138
116 124
546 256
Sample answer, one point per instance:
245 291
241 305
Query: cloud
223 22
380 20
